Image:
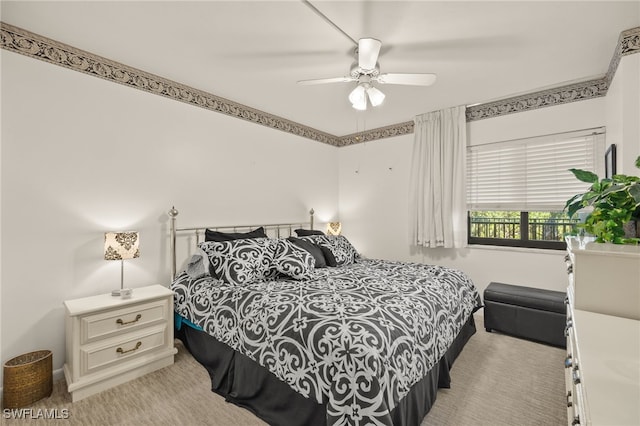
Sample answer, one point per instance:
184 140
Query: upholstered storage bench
530 313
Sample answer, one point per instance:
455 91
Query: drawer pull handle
568 362
576 378
569 403
576 420
119 320
122 351
567 327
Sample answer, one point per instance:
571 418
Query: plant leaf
624 179
634 191
573 208
589 198
575 198
584 175
613 188
638 162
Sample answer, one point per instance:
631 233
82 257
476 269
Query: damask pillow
293 261
313 250
337 250
242 261
211 235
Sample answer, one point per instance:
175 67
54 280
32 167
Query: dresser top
590 247
107 301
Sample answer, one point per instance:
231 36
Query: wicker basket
27 378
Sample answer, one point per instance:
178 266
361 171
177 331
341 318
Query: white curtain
437 192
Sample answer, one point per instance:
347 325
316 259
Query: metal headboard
275 229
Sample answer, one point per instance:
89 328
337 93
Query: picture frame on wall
610 161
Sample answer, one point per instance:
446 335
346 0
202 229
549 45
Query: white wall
623 114
374 181
81 156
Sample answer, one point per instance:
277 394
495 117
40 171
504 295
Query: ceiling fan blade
368 51
409 79
326 80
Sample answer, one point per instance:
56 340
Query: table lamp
334 228
121 246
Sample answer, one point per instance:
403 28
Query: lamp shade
375 96
334 228
358 97
121 245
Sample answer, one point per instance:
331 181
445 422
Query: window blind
532 174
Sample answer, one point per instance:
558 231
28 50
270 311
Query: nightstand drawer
95 357
100 326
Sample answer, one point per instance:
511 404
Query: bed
358 341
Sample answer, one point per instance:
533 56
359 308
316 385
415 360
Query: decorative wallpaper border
628 43
560 95
38 47
26 43
378 133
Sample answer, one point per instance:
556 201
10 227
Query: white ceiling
254 52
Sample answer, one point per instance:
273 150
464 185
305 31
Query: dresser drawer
103 325
108 353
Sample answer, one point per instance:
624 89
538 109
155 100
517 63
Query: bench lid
535 298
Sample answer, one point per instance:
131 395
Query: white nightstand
110 340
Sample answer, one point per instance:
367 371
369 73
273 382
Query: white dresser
603 335
110 340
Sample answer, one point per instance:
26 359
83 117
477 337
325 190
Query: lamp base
123 293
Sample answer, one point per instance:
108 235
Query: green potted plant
614 202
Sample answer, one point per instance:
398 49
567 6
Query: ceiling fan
366 71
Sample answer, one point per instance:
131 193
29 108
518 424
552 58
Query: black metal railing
511 228
495 227
550 229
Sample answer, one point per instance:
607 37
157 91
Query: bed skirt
243 382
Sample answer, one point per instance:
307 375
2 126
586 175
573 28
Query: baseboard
58 374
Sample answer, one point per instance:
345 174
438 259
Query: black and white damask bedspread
356 337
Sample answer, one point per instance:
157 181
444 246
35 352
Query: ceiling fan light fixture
358 98
360 106
375 96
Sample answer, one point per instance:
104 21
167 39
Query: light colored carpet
497 380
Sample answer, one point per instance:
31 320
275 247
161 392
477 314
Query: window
538 229
516 190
